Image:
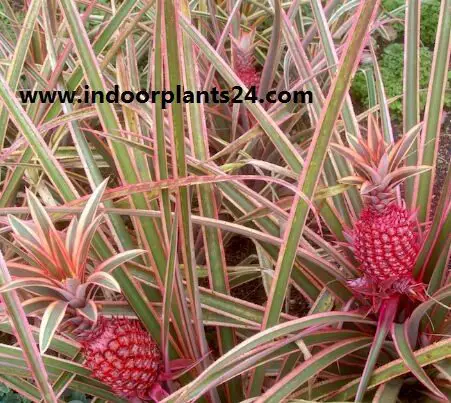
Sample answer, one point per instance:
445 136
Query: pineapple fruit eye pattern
225 201
120 353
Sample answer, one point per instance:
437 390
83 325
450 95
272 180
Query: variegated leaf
26 282
43 223
105 280
37 304
115 261
81 253
23 270
89 311
89 212
23 230
401 148
399 335
59 251
51 319
352 180
42 257
403 173
70 236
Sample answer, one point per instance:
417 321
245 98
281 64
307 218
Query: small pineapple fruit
59 271
121 354
244 61
385 237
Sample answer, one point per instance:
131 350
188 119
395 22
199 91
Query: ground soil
253 291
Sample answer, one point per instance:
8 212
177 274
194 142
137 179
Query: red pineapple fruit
119 351
244 61
386 242
385 237
121 354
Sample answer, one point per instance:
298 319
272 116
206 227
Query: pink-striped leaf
89 311
115 261
51 319
104 280
399 335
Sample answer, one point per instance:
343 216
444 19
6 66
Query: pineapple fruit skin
386 242
121 354
244 64
246 70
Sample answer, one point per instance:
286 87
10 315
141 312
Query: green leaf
89 311
105 280
428 355
430 135
115 261
399 334
88 214
387 314
310 368
24 335
27 282
279 139
22 229
215 371
51 319
42 220
413 322
15 69
388 392
310 175
331 191
169 284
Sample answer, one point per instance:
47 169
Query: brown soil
238 249
253 291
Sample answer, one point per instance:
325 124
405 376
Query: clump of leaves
7 395
185 288
60 265
391 66
428 23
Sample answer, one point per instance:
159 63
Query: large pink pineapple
385 238
121 354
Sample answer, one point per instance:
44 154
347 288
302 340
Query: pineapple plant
385 238
181 193
244 60
60 271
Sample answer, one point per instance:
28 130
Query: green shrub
391 66
9 396
430 10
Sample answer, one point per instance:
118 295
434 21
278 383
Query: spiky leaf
51 319
105 280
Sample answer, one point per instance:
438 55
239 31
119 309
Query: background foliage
241 209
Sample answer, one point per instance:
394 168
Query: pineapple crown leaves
378 165
56 265
246 42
